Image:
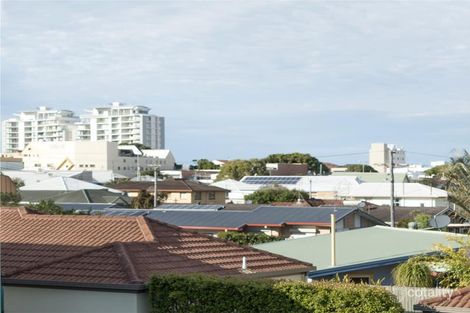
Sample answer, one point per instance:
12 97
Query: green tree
456 262
246 239
458 175
296 157
276 194
237 169
144 200
360 168
422 220
205 164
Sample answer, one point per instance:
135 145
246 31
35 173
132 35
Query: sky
244 79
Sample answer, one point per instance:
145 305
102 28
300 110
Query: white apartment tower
44 124
124 124
379 156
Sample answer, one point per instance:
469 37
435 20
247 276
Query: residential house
374 177
458 301
11 163
286 222
81 200
177 191
102 263
322 187
7 185
365 254
406 194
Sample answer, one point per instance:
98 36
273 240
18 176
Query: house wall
382 274
411 202
49 300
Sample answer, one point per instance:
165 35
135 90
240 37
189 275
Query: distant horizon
238 80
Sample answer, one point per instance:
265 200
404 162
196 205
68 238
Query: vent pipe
244 263
333 240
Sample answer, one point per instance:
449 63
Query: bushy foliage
9 198
413 273
276 194
457 264
144 200
296 157
48 207
422 220
236 169
203 294
360 168
246 239
205 164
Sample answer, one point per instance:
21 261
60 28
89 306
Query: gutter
127 288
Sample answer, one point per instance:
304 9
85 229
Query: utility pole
155 189
392 191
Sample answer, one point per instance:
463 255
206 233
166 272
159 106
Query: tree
205 164
144 200
276 194
422 220
246 239
456 262
18 183
458 175
296 157
237 169
360 168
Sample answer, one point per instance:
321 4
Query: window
360 279
212 195
92 165
197 196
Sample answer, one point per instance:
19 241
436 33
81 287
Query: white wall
48 300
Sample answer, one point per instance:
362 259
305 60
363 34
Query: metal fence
409 296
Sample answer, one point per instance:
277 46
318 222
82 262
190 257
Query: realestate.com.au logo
428 293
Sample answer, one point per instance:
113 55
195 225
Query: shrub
413 273
268 195
9 198
247 239
205 294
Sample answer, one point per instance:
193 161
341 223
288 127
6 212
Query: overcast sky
241 79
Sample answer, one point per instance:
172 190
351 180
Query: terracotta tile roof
120 251
458 299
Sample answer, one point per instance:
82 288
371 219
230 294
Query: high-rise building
379 156
44 124
124 124
117 122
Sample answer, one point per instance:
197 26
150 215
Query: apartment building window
212 195
197 196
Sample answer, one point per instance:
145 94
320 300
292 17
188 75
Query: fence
409 296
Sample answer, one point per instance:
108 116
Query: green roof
360 246
374 177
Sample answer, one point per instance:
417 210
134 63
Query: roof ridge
63 182
184 182
126 262
145 228
56 260
87 197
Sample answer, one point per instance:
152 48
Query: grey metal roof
190 207
263 215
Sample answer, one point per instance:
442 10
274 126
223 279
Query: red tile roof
120 250
458 299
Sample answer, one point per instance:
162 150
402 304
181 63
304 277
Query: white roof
64 183
31 177
158 153
338 184
402 190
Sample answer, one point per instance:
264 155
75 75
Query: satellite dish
439 221
361 205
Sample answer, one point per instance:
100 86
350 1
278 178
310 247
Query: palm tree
413 273
458 175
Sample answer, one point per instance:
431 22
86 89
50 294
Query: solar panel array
271 180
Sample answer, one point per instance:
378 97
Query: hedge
247 239
206 294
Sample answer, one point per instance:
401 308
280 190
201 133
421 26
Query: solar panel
271 180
